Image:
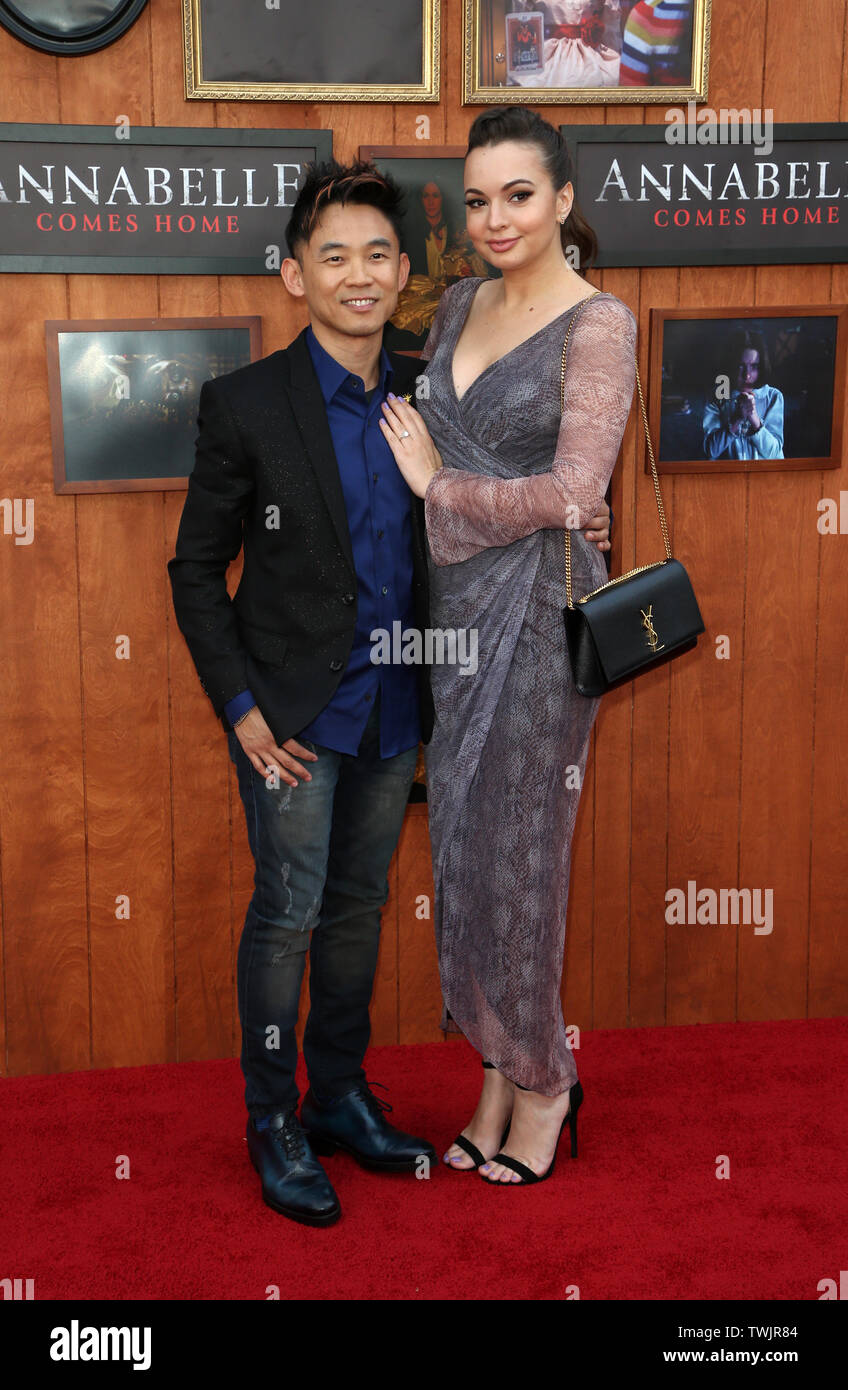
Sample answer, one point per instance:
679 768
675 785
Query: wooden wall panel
125 705
649 744
204 975
706 692
781 583
116 777
612 825
827 967
781 599
708 526
42 798
419 994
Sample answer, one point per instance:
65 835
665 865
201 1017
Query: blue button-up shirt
379 512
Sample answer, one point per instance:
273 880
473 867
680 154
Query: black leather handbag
635 622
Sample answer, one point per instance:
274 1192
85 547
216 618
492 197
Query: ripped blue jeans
322 851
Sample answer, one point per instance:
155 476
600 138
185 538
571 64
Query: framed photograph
167 201
712 192
332 50
434 235
124 395
748 390
595 51
69 27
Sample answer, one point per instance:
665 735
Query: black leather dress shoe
355 1123
293 1181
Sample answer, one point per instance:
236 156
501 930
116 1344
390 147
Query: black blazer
266 477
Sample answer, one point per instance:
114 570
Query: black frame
320 140
575 135
98 36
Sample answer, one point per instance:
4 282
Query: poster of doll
586 50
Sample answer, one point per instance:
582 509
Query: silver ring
404 434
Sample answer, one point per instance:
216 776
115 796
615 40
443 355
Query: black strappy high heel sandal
471 1149
575 1094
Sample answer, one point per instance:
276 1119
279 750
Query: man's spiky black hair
332 182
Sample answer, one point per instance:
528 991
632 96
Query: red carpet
640 1214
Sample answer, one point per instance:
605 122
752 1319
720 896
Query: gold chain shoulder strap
660 507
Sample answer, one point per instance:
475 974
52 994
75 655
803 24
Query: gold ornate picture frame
246 52
562 51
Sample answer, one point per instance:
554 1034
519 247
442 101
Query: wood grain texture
204 975
419 994
116 776
43 856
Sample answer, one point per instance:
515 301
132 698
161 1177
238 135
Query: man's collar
331 374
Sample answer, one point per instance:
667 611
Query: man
291 463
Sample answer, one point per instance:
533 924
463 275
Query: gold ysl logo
648 625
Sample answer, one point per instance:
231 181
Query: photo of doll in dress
596 43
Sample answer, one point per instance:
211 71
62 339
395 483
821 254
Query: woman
501 474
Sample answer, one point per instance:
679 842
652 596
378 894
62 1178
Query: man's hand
258 743
597 530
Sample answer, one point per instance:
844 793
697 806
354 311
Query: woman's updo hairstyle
502 123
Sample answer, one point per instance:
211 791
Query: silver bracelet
242 717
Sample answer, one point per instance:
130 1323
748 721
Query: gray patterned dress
506 760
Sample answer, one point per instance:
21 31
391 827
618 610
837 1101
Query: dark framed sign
69 27
597 51
748 390
434 236
688 193
124 394
164 200
335 50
